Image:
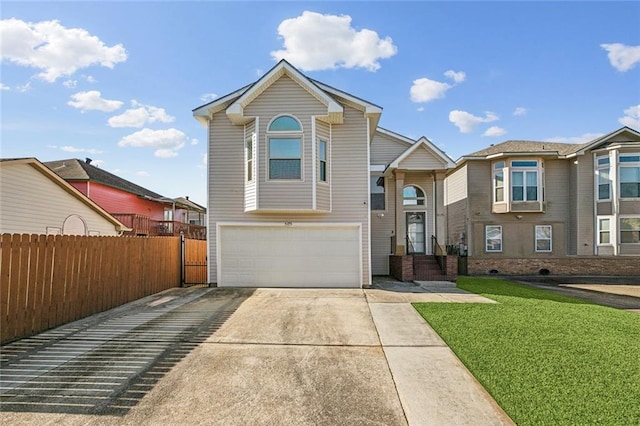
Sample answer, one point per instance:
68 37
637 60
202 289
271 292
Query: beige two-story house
523 207
306 190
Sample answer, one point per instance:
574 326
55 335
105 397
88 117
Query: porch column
438 207
401 225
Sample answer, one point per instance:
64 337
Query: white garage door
264 256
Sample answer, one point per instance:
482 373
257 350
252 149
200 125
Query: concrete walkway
308 357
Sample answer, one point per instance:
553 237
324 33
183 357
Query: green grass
546 359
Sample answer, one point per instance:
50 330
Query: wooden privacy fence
47 281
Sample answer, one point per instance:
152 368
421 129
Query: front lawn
545 358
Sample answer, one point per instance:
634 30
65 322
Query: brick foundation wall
578 265
452 266
401 267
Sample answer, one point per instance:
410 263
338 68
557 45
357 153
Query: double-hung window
604 231
544 240
604 178
629 175
493 238
524 180
498 182
285 148
322 160
248 149
630 230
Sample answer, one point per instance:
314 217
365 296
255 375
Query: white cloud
457 77
467 122
259 72
494 131
70 84
622 57
520 111
208 97
93 101
55 49
4 87
314 41
24 88
140 115
167 142
586 137
194 141
90 79
142 173
69 148
426 90
631 117
97 163
420 109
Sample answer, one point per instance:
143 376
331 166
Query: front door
416 241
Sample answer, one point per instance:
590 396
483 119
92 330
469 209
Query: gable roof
185 202
596 143
49 174
74 169
235 102
425 143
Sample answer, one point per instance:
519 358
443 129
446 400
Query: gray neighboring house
531 207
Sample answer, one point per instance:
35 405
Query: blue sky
117 81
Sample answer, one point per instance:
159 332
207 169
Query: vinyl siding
585 206
323 193
382 229
349 171
421 159
285 96
572 229
385 149
456 186
30 202
117 201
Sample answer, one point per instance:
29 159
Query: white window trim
536 239
414 206
524 169
620 165
619 229
495 187
250 140
326 167
598 168
486 239
284 134
612 234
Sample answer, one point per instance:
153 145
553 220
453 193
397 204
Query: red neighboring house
146 212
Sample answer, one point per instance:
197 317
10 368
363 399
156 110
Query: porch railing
440 253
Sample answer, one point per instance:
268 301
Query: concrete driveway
237 357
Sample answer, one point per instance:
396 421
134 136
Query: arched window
285 148
285 123
412 196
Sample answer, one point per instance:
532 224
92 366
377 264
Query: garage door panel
290 257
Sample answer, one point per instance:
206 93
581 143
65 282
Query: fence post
182 259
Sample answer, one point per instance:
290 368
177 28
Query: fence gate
194 262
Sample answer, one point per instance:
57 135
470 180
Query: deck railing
144 226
